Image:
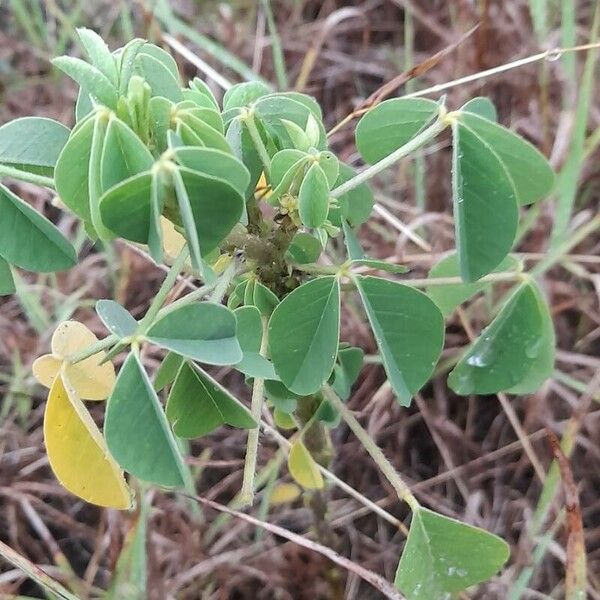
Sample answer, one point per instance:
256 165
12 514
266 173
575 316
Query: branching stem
420 140
373 449
246 496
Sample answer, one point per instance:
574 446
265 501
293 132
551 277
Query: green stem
373 449
258 143
442 281
246 495
99 346
164 290
6 171
223 282
425 136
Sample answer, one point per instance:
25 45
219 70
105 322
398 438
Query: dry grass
460 455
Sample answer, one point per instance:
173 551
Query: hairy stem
6 171
373 449
246 496
164 290
425 136
92 349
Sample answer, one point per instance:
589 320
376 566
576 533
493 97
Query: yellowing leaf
303 468
284 493
77 451
90 379
173 241
46 368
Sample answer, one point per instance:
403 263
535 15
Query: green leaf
32 144
167 371
443 556
485 205
282 163
532 176
249 333
160 121
273 109
303 468
98 54
208 116
198 404
448 297
305 248
137 431
331 167
199 133
123 154
216 207
356 205
157 202
126 62
516 351
381 265
89 78
116 319
203 331
244 94
158 76
215 163
83 105
125 208
202 88
28 240
281 398
243 148
95 176
391 124
352 243
303 335
264 299
313 199
481 106
163 57
72 170
347 370
408 329
7 284
187 218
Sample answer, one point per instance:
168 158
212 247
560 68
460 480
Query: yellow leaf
284 493
78 453
303 467
46 368
173 241
90 379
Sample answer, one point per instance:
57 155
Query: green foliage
409 331
391 124
137 431
443 556
116 319
246 196
514 353
28 240
204 331
303 335
198 404
32 144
